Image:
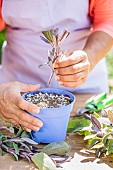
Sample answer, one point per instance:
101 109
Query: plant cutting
55 39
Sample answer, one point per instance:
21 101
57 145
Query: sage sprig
55 39
97 130
20 145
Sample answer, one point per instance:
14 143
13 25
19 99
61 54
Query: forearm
97 46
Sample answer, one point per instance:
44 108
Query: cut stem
50 78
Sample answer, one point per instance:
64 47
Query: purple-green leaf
95 122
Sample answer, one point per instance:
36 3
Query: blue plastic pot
55 120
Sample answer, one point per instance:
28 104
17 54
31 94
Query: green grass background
109 57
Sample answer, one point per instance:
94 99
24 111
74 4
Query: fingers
20 117
73 84
27 120
12 106
28 126
27 129
72 69
72 78
25 105
75 58
28 87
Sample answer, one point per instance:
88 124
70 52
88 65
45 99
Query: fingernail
40 124
60 82
55 65
57 77
36 128
56 71
28 130
36 110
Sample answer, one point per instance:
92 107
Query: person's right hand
13 106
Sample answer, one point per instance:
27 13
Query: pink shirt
101 12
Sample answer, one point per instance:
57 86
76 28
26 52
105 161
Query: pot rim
71 95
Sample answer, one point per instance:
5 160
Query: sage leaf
57 148
108 136
30 141
110 147
95 122
2 152
77 124
99 151
16 148
43 161
19 132
14 155
11 129
44 39
25 134
17 140
90 136
61 159
94 142
48 35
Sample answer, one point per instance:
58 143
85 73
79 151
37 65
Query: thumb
29 87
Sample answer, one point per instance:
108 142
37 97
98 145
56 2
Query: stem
50 79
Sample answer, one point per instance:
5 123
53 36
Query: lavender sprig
55 39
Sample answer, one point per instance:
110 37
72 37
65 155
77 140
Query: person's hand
72 71
13 106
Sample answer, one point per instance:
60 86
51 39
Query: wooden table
82 159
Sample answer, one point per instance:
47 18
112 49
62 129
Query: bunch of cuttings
55 39
98 131
18 143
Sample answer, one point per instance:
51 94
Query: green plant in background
2 38
109 59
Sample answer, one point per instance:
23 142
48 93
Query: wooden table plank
82 160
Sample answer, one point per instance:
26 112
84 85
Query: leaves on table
20 145
98 131
10 129
43 161
28 140
57 148
20 130
77 124
60 159
95 122
94 142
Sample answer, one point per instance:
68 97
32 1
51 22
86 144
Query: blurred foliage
109 59
2 38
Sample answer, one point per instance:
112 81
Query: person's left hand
72 71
